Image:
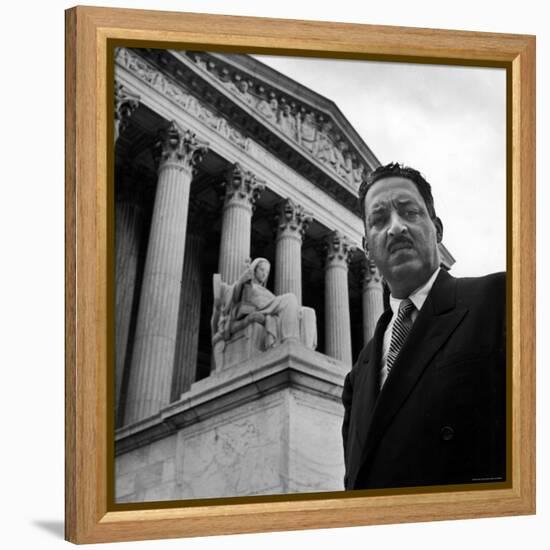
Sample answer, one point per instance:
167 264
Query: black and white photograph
275 275
309 275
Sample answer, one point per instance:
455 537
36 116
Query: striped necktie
400 330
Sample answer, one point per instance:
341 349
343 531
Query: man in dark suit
425 402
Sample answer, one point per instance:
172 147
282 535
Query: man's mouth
401 245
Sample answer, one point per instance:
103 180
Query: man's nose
397 225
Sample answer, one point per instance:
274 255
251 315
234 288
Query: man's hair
395 169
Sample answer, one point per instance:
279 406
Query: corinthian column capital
126 103
370 275
241 187
178 147
338 250
292 219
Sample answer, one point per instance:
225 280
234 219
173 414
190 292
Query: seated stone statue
248 311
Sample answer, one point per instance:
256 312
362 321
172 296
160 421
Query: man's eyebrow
406 201
378 207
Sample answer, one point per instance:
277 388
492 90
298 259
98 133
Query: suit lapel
366 387
368 383
436 321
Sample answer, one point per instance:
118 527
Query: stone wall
269 426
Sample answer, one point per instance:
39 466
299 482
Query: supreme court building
219 160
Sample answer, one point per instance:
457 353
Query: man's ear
438 229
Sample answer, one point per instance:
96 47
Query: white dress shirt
418 297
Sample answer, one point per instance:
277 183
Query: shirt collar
417 297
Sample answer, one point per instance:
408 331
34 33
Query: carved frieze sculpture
309 129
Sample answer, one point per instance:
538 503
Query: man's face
401 237
262 272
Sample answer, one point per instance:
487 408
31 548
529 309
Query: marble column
337 315
178 151
128 234
242 189
291 223
187 345
125 104
373 302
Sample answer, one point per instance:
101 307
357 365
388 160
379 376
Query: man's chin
406 268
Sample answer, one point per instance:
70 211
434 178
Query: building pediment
304 129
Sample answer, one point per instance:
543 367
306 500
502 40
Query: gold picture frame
90 34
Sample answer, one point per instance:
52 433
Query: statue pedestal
268 426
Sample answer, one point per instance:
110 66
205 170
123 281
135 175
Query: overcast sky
447 122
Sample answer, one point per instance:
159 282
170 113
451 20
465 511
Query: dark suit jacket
441 415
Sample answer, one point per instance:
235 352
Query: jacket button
447 433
